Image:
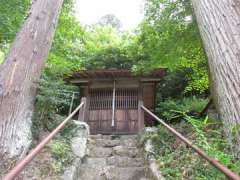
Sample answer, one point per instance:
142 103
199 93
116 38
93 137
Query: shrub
52 104
173 84
177 161
168 109
62 154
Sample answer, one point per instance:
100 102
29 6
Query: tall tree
21 68
112 20
219 23
169 37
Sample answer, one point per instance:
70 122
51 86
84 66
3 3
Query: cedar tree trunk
21 68
219 24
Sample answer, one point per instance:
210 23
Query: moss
62 154
177 161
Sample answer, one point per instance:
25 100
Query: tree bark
219 24
21 68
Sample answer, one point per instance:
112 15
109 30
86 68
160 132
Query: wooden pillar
71 105
140 111
84 93
140 116
83 110
113 104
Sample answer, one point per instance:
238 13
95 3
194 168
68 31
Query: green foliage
106 48
61 152
112 57
66 52
94 47
12 13
219 148
169 109
172 85
52 104
177 161
1 56
169 38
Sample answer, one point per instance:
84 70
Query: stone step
101 136
105 142
94 162
112 157
112 137
126 151
128 141
116 173
117 161
94 151
120 161
90 173
111 173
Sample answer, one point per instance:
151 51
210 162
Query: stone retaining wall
79 149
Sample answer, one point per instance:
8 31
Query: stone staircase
113 158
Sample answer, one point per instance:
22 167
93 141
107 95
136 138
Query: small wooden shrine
113 99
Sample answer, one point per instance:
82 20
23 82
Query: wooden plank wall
149 100
126 109
100 110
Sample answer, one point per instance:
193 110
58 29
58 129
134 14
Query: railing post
82 111
140 116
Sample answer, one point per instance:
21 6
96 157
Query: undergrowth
168 109
52 105
62 154
177 161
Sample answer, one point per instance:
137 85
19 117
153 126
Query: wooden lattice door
123 103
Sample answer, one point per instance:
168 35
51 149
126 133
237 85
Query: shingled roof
115 73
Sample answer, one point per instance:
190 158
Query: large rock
153 168
79 141
71 172
79 149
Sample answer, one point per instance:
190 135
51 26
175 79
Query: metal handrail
25 161
228 173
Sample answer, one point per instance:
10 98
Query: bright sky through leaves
130 12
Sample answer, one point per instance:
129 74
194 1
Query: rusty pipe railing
25 161
228 173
